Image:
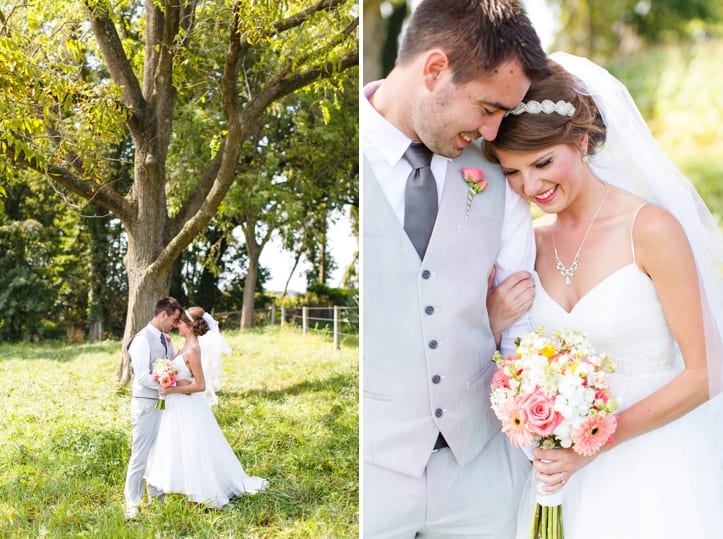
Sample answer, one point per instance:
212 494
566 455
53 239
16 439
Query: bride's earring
586 159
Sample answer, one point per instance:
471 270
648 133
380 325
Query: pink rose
602 395
500 379
542 419
475 178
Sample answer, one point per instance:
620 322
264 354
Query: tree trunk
322 260
374 34
147 262
96 330
253 249
144 290
297 259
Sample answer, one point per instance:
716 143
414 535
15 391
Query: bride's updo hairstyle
194 317
528 131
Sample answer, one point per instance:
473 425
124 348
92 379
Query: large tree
81 74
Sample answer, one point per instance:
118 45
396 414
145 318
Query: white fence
341 322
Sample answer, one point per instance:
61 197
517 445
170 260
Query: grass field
288 408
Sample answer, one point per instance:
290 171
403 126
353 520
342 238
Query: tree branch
303 16
220 173
102 194
118 65
289 85
227 155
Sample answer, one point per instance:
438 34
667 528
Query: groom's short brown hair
168 304
476 35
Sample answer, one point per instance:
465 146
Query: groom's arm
508 302
512 292
140 354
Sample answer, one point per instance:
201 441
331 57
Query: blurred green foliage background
677 88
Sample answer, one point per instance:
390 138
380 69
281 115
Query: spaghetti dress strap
632 224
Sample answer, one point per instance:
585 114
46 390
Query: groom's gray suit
427 360
143 350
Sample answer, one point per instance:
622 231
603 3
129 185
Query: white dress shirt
383 146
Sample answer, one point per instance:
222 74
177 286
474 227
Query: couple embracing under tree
178 447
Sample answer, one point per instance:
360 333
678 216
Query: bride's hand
508 300
554 467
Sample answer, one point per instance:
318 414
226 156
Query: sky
342 244
542 19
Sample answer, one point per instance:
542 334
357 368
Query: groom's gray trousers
145 419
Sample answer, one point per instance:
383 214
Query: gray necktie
163 342
420 197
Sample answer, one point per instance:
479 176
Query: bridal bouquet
165 374
554 393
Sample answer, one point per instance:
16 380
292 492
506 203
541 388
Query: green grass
288 408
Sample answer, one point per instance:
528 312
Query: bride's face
547 177
184 329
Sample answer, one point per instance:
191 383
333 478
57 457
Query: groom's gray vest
427 346
157 351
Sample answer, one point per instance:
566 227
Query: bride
633 258
191 455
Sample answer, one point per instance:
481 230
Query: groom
435 461
149 344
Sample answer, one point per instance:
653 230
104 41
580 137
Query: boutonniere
476 183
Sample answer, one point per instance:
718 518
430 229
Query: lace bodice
623 319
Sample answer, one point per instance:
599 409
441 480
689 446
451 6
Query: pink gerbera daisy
593 433
514 423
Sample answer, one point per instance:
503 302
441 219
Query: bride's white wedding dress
663 484
191 455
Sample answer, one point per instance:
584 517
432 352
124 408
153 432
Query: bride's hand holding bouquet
554 393
165 374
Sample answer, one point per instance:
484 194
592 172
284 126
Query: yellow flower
548 351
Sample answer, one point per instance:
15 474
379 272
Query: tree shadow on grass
55 350
307 447
307 386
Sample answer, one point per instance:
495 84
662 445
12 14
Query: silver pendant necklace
567 273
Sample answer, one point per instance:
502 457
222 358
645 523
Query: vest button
429 309
438 412
426 274
433 344
436 379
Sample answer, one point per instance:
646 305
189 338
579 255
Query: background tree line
154 147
